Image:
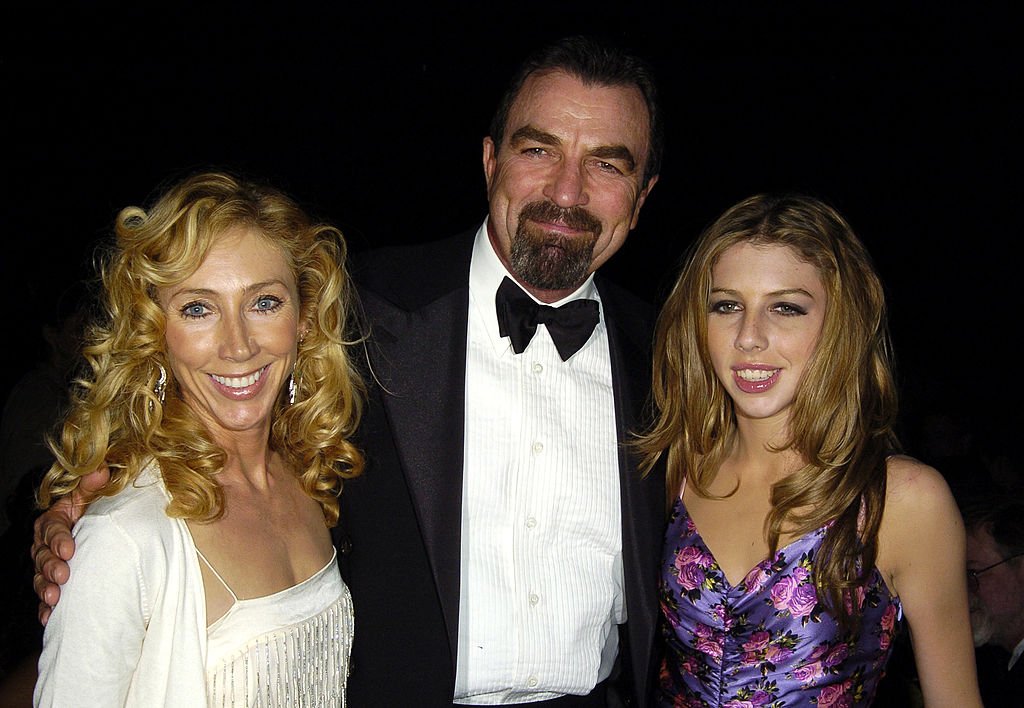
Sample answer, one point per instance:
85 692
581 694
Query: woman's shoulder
921 518
139 509
913 486
132 530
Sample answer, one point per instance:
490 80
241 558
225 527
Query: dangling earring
293 384
160 389
161 384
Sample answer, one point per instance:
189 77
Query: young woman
798 537
222 399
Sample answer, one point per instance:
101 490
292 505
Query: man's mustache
576 218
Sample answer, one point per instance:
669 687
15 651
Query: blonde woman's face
765 315
232 334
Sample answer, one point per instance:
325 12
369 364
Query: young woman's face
232 333
765 315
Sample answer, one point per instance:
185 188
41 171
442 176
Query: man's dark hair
1001 517
596 64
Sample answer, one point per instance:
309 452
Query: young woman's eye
789 309
725 306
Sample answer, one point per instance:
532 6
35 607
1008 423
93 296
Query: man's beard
982 628
553 262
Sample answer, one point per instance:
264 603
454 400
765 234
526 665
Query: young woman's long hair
844 411
117 419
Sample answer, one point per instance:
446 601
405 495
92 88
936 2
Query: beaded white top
290 648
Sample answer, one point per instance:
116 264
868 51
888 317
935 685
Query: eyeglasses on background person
972 575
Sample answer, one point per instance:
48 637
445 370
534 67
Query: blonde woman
797 537
221 397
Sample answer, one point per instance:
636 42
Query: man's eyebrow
528 132
604 152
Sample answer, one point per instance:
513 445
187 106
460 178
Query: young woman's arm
921 554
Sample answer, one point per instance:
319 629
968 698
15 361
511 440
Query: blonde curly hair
115 418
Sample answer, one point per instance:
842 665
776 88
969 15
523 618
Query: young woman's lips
755 378
241 387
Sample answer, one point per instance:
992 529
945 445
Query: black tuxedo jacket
999 688
399 536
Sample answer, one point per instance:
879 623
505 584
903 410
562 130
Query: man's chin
550 268
981 629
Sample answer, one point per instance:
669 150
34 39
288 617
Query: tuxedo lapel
418 357
629 339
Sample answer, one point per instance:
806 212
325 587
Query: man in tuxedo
501 536
501 547
995 574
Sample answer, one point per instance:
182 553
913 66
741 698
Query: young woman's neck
759 448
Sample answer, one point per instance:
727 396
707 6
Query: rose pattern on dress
768 641
794 593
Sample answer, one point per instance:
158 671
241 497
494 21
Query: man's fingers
58 539
53 528
51 567
90 484
52 542
48 594
50 571
52 533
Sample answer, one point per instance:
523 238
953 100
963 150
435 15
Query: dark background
903 116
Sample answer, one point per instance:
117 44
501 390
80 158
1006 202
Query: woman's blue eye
194 309
268 303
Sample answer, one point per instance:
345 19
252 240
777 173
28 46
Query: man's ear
490 158
641 198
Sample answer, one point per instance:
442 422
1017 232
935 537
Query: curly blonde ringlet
844 410
115 417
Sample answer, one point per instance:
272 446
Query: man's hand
53 546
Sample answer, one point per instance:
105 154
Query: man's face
565 186
997 605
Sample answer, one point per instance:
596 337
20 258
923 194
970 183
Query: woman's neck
249 459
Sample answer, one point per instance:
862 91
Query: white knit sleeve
94 636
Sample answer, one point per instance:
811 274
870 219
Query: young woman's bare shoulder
921 518
913 485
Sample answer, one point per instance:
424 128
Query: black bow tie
570 325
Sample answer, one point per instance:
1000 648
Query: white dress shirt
1016 654
541 576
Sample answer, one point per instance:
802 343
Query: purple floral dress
766 641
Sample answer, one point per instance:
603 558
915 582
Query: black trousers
598 698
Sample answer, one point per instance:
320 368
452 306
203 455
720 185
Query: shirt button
531 522
534 598
538 447
537 367
532 682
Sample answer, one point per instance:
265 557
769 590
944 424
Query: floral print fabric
766 641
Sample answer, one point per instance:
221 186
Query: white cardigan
130 627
